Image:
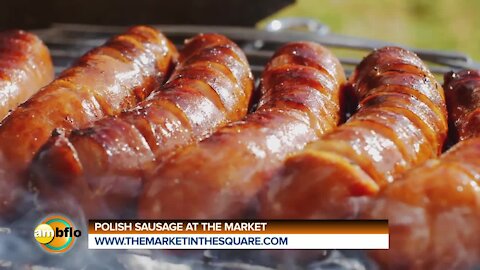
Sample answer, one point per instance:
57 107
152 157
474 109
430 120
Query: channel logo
56 234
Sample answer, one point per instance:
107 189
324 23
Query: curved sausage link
434 210
105 81
400 122
25 67
101 167
218 177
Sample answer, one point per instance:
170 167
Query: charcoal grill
67 42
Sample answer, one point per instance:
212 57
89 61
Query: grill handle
454 59
297 24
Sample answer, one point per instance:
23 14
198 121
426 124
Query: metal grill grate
68 41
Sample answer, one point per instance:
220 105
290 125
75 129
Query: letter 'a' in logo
56 234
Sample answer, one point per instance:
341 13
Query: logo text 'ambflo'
56 234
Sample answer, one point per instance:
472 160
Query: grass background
434 24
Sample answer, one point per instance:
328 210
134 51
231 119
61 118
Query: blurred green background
440 24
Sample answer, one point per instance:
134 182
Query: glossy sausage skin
218 177
400 122
463 100
25 67
434 210
101 167
105 81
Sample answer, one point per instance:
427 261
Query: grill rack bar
70 41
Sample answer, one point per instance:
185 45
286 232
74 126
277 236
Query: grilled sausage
434 210
101 167
25 67
463 102
400 122
219 176
105 81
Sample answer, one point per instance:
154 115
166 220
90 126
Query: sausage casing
105 81
400 122
219 176
25 67
434 210
101 167
463 102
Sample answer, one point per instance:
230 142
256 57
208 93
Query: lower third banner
298 234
